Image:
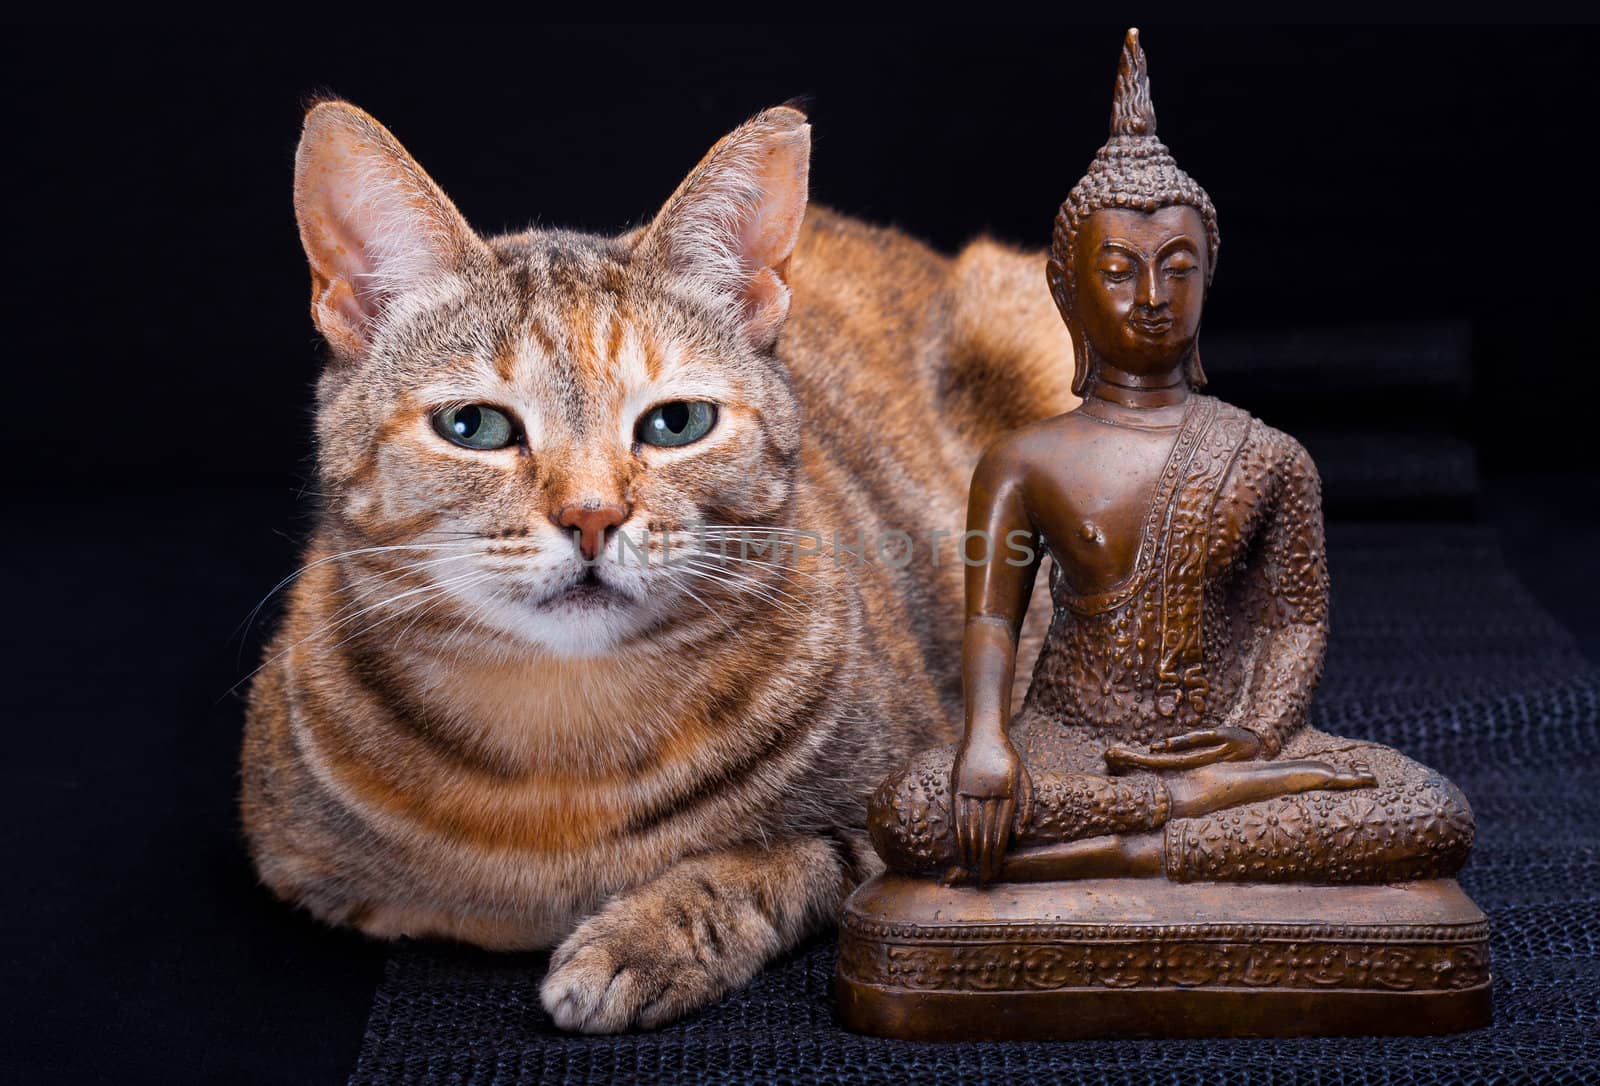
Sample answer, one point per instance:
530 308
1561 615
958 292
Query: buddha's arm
1288 600
989 783
999 582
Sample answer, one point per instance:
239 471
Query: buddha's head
1134 248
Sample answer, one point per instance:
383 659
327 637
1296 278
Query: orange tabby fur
669 787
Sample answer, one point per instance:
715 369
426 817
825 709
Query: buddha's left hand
1191 750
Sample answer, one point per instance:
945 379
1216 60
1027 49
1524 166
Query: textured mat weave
1436 650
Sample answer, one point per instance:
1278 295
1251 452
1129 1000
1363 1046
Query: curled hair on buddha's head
1133 170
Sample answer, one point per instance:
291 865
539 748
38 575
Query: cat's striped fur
667 782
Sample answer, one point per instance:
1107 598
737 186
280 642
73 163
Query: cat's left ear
733 223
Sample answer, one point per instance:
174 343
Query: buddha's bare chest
1095 509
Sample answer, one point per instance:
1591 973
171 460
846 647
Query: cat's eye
677 423
475 426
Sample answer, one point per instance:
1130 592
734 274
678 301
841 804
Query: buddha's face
1140 285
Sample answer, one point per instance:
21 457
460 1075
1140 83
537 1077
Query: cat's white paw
618 972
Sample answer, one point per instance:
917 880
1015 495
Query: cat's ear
373 224
733 223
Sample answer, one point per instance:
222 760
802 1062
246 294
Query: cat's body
663 771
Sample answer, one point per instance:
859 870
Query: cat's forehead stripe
543 338
614 337
505 361
653 361
633 357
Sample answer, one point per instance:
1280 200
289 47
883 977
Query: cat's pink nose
591 523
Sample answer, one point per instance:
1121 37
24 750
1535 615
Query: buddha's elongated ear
373 224
1066 304
732 225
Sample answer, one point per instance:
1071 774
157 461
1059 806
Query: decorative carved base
1151 958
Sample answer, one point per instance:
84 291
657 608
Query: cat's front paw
645 960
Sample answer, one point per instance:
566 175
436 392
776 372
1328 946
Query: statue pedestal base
1150 958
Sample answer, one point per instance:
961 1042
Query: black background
159 359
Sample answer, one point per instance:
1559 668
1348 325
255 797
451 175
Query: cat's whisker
808 574
255 612
334 623
433 586
734 531
415 619
737 587
411 567
692 594
389 576
439 591
472 641
748 552
474 632
358 604
458 534
751 578
746 587
770 576
467 621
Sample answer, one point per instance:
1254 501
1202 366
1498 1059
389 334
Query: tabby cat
524 693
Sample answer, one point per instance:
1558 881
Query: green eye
677 423
475 426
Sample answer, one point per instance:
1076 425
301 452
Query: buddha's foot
1137 855
1130 856
1232 784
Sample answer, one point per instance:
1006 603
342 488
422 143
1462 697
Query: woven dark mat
1436 650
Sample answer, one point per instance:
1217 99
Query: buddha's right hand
1231 784
1206 746
989 786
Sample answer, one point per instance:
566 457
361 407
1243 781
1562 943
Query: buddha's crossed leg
912 827
1414 824
1292 819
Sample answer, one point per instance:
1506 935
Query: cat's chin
582 621
581 637
587 618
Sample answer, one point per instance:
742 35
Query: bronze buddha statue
1165 732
